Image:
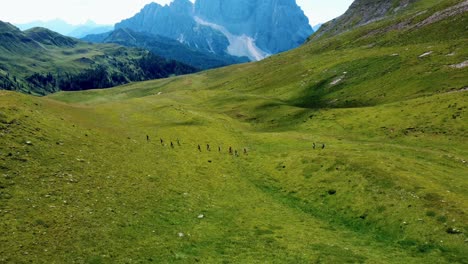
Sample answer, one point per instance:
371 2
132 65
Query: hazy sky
112 11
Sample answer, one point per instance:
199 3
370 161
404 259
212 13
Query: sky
112 11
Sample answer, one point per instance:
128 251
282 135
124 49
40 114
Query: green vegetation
167 48
39 61
79 182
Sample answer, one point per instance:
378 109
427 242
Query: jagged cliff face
176 22
252 28
277 25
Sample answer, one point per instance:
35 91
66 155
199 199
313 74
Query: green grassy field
80 182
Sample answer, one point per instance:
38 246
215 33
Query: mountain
82 31
400 15
363 12
56 25
165 47
254 29
12 40
64 28
176 21
273 25
351 148
50 38
41 61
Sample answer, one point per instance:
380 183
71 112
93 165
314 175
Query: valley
350 149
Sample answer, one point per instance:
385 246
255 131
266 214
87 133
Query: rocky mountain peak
252 28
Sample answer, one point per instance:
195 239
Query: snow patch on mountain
238 45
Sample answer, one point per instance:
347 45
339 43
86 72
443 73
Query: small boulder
425 54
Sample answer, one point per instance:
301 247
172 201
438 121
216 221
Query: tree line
147 67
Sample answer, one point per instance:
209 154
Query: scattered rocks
426 54
331 192
180 234
460 65
336 81
201 216
29 143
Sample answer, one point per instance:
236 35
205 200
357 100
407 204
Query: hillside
40 61
350 149
166 47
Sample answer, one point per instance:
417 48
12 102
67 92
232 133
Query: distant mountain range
181 38
205 34
243 28
64 28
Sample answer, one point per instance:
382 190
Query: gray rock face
276 25
176 21
252 28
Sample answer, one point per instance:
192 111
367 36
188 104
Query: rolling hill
350 149
40 61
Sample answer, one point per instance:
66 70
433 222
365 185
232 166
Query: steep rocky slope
255 29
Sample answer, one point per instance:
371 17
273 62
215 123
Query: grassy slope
41 51
390 182
63 60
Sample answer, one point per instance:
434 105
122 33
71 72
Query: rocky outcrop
363 12
360 13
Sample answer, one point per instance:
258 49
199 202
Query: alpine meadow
351 148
